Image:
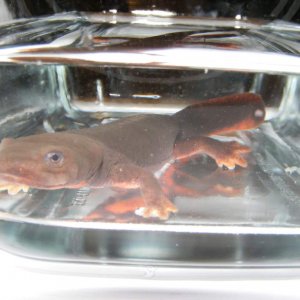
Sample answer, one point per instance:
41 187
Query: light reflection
154 12
146 96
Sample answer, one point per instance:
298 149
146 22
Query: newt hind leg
195 178
212 182
228 154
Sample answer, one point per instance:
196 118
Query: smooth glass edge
244 23
191 58
148 271
237 229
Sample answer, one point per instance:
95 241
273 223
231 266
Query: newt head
48 161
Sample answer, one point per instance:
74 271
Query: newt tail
221 115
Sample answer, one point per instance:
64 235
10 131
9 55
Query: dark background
288 10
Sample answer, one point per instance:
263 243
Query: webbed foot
231 154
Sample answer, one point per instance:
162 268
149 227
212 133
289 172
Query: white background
23 279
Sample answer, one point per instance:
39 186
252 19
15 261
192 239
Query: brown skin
121 154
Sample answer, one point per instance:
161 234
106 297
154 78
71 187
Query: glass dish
78 70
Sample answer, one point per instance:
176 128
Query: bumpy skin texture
124 153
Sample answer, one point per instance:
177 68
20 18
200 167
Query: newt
124 154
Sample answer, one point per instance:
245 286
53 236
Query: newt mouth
13 188
13 184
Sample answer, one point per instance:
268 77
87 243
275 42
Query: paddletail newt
123 154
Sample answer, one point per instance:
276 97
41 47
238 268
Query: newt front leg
129 176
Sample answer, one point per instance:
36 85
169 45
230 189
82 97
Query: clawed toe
233 155
161 210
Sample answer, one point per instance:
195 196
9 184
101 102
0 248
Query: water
78 70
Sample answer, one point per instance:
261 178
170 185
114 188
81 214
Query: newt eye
54 158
